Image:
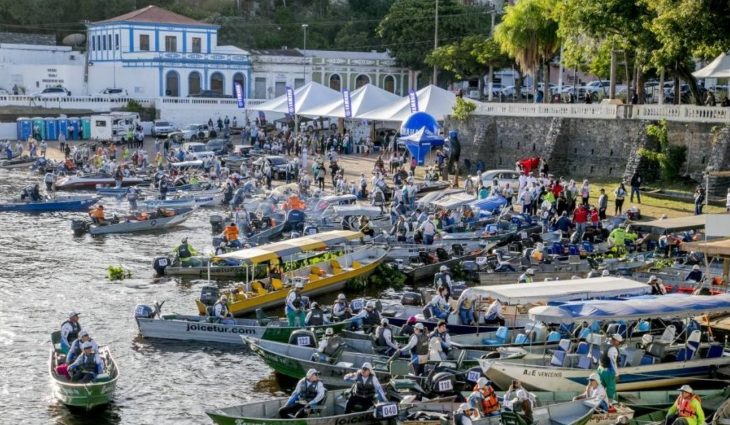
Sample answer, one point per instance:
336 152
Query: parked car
199 151
193 132
162 128
598 86
509 91
212 94
220 146
503 177
278 165
53 92
114 92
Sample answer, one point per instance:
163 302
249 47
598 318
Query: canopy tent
308 96
647 307
718 68
419 144
563 290
432 99
669 225
716 248
362 100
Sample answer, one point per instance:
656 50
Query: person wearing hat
595 393
439 304
308 393
368 318
315 316
657 287
608 368
400 229
442 334
87 366
70 330
295 306
341 309
494 314
527 276
465 414
519 400
695 275
77 346
605 273
365 387
466 305
407 329
484 399
443 279
186 253
221 313
428 229
329 346
383 339
418 346
686 410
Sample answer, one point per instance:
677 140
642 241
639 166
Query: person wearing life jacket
315 316
97 215
341 309
295 306
439 304
418 346
527 277
329 346
595 393
383 339
367 318
221 313
231 233
308 393
187 254
76 346
686 410
442 334
70 330
443 279
484 399
465 415
466 306
407 329
608 368
494 314
87 366
364 389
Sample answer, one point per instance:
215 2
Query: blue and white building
152 52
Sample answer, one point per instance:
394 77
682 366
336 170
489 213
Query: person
518 400
365 387
408 328
695 274
727 200
428 229
418 346
595 393
341 309
49 179
132 196
367 318
686 410
443 335
484 399
76 346
329 346
699 198
494 314
315 316
443 279
527 276
619 236
186 253
439 304
657 288
307 394
383 339
466 306
620 193
221 313
87 366
602 204
231 233
635 187
295 306
608 368
465 414
70 330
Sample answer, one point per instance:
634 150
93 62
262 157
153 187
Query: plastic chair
565 345
558 358
582 348
521 339
553 336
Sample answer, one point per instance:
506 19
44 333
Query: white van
113 127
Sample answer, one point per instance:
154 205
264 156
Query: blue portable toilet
39 127
62 126
51 129
75 124
86 128
24 128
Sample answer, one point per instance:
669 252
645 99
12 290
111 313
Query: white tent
432 100
308 96
362 100
718 68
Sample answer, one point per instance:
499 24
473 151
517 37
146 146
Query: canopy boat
654 363
17 162
670 225
90 182
59 203
98 392
153 222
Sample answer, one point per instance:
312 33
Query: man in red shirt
580 217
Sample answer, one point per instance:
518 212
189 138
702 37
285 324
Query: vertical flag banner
413 98
347 103
239 95
290 100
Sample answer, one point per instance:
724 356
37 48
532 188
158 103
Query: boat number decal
445 386
542 373
472 376
153 222
303 341
163 262
389 410
212 327
354 420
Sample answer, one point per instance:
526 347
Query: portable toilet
39 127
51 129
75 125
24 127
85 128
62 126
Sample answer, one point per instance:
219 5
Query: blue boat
66 203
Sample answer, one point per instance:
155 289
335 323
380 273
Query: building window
172 84
93 43
216 83
103 42
116 41
193 83
110 41
279 88
389 83
335 83
361 80
298 82
238 78
144 42
197 45
170 43
259 88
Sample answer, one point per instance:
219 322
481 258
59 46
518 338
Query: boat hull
73 182
142 226
84 396
71 204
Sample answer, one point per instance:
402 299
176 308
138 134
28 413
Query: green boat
82 395
652 418
647 401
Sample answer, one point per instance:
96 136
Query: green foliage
384 276
134 106
668 158
118 273
462 109
470 56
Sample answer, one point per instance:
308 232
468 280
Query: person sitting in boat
695 275
365 228
657 287
365 387
439 304
608 366
408 328
418 346
49 179
465 306
97 215
34 193
442 334
329 346
76 346
221 313
315 316
383 339
494 314
443 279
595 393
307 394
686 410
230 233
186 253
527 276
465 415
368 318
87 366
295 306
70 330
484 399
341 309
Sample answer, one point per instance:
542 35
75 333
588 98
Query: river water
46 272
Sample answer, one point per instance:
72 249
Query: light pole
304 27
436 38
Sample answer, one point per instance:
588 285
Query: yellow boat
322 262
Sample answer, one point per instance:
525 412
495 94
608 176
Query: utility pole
304 67
436 38
612 82
490 85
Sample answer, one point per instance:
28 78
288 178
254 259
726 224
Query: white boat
90 182
169 203
208 198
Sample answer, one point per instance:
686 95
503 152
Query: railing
94 103
548 110
686 113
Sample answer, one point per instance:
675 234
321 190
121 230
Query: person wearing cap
341 309
221 313
407 329
519 400
383 339
608 368
295 306
443 279
466 305
428 229
527 277
315 316
77 346
308 393
365 387
695 275
595 393
494 314
442 334
367 318
70 330
465 414
87 366
657 287
439 304
484 399
418 346
186 253
329 346
686 410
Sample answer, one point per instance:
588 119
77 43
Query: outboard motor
411 298
294 220
209 295
457 288
79 227
443 384
160 264
310 230
144 312
356 305
217 223
457 249
303 338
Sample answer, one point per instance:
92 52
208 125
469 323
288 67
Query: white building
275 69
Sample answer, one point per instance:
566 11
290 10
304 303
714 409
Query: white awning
718 68
306 97
432 99
362 100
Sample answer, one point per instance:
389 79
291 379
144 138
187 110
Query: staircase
634 159
551 138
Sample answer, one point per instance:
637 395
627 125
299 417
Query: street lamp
304 27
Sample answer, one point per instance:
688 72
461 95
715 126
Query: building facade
274 70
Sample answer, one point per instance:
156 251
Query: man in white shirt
594 392
494 314
429 230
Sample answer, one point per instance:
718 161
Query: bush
668 158
462 109
118 273
384 276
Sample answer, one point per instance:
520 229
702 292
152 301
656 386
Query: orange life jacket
231 233
97 213
490 403
684 406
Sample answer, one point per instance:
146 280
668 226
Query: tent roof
362 100
677 224
306 97
712 248
422 135
432 99
718 68
289 247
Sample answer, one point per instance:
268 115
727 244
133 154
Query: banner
262 117
347 103
290 100
239 95
413 100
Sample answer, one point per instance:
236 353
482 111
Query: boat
17 162
82 395
655 417
59 203
722 414
90 182
654 363
645 401
428 264
169 203
557 270
208 198
153 223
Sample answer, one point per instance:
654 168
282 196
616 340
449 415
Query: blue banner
347 103
262 117
413 100
290 100
239 95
